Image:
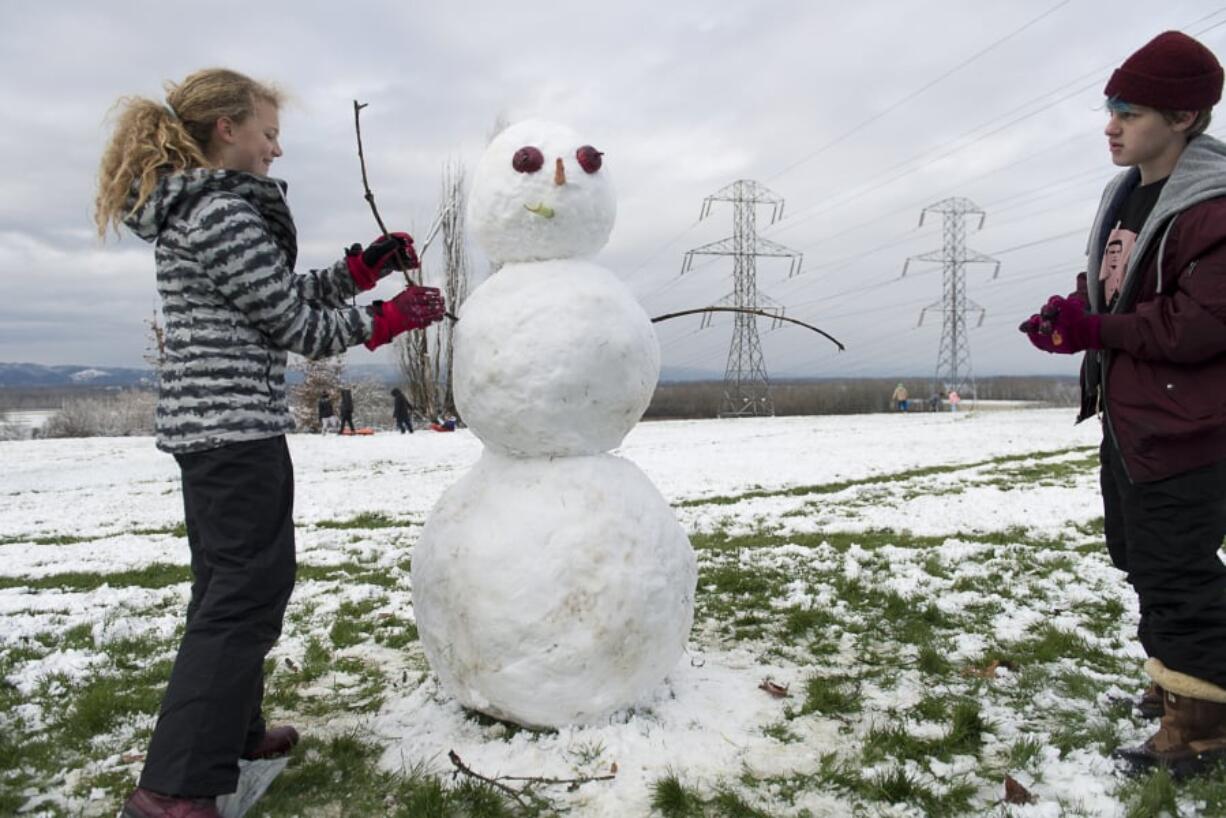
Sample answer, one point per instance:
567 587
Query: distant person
346 412
444 424
954 399
402 412
190 176
327 417
900 398
934 402
1151 319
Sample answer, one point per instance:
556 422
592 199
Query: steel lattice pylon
746 385
953 370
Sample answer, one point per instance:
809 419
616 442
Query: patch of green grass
99 705
932 660
672 799
316 660
798 622
781 733
156 575
1150 796
394 632
352 626
1048 644
931 708
351 573
967 730
729 804
1101 616
367 519
893 741
178 530
893 477
78 637
1025 753
55 539
831 696
1207 791
342 777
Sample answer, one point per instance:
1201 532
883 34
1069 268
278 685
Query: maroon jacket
1162 369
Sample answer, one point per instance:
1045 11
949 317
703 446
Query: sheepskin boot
1192 735
1150 706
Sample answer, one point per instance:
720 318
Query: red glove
379 258
1064 327
414 308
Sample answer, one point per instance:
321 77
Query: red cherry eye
528 159
589 158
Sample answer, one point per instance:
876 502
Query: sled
365 430
253 780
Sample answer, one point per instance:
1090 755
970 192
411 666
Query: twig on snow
572 783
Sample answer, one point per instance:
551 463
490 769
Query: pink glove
379 258
1064 327
414 308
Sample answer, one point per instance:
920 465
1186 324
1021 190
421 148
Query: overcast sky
857 114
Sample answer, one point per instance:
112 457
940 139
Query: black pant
404 425
1166 536
238 501
346 417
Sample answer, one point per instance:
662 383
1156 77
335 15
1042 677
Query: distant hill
23 375
26 375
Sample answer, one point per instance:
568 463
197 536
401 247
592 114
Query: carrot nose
559 173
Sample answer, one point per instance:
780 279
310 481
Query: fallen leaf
289 663
128 758
777 690
613 768
1015 793
988 671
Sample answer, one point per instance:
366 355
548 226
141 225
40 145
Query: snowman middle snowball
552 585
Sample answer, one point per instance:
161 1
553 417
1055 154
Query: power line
918 91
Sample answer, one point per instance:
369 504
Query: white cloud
686 97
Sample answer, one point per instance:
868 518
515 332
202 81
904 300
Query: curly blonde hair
151 138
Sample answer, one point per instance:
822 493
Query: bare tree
425 357
501 123
319 377
155 352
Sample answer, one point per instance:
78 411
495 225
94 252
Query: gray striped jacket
233 306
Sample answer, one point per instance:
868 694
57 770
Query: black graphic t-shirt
1120 241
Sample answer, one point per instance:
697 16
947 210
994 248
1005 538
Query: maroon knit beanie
1172 72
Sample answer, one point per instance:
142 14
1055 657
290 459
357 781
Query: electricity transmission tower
746 385
954 359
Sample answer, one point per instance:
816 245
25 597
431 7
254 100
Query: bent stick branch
370 199
748 311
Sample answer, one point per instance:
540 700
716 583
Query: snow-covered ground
928 509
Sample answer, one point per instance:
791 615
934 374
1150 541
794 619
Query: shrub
126 413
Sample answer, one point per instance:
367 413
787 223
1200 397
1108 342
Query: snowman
552 584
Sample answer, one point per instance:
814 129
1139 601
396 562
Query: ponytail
152 139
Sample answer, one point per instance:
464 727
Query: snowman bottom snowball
553 592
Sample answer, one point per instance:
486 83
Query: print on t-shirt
1115 260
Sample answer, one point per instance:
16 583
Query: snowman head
539 193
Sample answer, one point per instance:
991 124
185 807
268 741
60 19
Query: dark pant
346 418
404 425
1166 536
238 501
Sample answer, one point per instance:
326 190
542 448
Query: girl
191 177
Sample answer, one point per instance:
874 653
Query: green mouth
541 209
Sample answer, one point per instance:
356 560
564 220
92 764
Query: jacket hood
175 191
1199 175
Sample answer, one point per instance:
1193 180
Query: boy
1152 321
